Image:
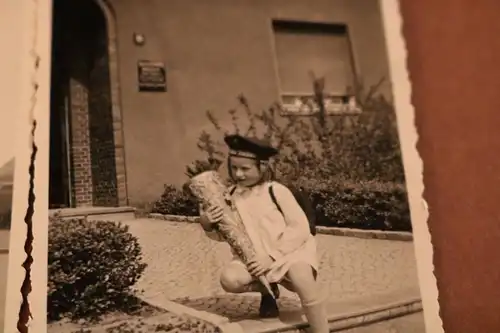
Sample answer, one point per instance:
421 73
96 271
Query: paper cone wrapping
209 188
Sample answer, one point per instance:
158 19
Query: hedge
339 203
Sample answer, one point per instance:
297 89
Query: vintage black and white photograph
226 166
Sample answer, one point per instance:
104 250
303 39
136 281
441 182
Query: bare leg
305 285
236 279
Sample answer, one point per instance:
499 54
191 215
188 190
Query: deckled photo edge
32 124
393 24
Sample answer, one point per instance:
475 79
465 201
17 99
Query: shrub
361 205
350 164
339 203
93 266
361 146
176 201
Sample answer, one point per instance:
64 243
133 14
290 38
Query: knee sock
316 315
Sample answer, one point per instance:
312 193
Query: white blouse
285 237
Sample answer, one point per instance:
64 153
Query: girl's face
245 172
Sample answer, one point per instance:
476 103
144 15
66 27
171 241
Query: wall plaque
151 76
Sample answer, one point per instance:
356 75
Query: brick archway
87 150
121 174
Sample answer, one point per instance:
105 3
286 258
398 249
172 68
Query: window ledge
300 105
290 111
287 110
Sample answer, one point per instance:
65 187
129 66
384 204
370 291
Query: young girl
286 250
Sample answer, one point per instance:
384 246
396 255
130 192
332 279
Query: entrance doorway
82 149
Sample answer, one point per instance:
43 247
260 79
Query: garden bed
148 320
93 267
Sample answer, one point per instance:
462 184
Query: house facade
133 79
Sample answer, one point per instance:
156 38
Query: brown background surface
454 62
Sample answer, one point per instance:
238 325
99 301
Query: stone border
358 233
90 211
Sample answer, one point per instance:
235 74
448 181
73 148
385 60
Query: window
308 50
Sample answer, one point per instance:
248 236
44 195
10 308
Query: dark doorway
60 132
82 155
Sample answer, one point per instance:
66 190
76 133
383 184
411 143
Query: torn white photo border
35 97
413 164
27 268
13 132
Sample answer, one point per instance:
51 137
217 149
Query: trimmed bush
175 201
93 266
369 205
361 205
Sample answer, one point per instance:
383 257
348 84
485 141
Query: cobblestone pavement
184 265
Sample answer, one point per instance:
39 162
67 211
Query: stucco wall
213 51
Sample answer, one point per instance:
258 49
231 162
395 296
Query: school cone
209 188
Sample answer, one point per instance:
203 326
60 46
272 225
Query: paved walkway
184 265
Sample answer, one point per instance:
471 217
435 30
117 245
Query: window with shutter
305 51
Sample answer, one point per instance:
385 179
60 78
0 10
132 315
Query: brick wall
102 144
80 140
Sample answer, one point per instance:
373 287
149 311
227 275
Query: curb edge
359 318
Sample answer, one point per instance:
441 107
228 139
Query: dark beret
250 147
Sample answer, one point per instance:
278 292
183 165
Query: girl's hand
260 265
211 216
215 214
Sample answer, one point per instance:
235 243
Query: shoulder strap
231 191
273 198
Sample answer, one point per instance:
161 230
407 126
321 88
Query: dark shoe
268 307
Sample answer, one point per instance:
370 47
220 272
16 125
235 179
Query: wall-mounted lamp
139 39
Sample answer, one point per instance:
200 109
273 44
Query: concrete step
239 313
96 213
343 315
